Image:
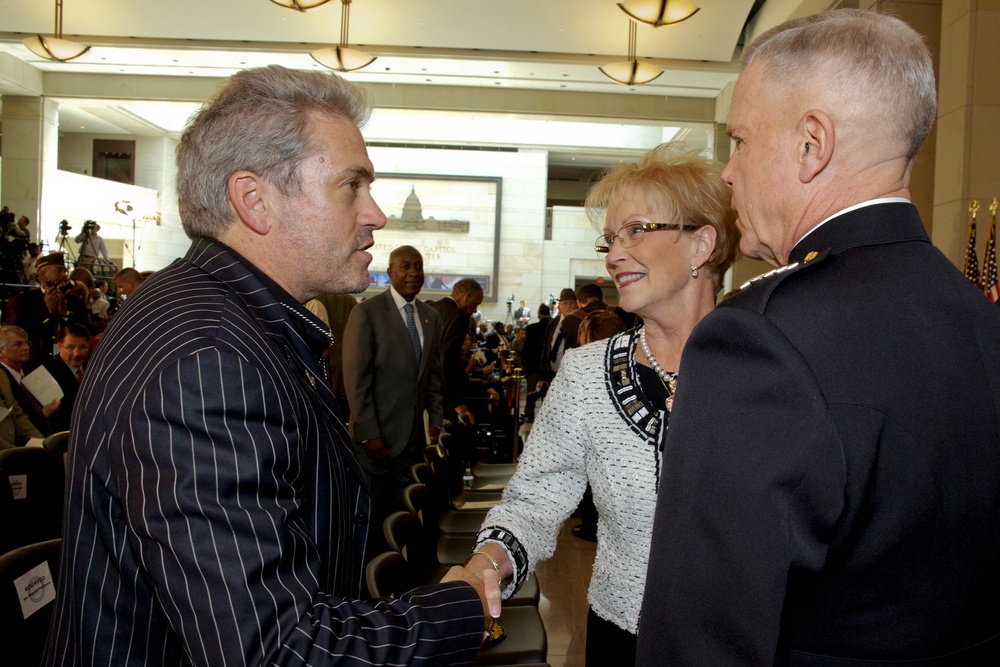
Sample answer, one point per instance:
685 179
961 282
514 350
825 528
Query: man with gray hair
216 513
830 487
15 355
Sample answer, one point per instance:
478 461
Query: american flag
990 286
971 262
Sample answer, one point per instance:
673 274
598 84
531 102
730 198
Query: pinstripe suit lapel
300 335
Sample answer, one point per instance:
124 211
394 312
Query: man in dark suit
216 514
534 342
392 373
522 315
555 343
67 369
830 490
456 313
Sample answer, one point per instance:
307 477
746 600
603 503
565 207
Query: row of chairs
32 488
437 531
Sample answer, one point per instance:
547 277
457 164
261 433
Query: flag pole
971 261
991 288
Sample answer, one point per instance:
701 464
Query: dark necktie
556 344
411 327
79 375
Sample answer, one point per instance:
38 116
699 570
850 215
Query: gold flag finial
993 207
973 208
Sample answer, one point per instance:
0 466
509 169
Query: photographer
92 246
43 311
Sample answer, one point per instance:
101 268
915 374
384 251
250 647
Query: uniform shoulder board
765 283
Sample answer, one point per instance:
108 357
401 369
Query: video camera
64 227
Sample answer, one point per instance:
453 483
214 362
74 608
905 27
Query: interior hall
491 122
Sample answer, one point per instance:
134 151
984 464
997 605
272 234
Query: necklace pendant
670 403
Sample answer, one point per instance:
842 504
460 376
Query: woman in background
668 238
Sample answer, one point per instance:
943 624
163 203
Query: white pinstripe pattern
214 510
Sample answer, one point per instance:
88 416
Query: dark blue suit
216 514
831 478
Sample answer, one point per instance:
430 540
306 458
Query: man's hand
435 432
50 409
489 594
463 411
55 301
375 449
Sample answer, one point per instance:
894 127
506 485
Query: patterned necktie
411 327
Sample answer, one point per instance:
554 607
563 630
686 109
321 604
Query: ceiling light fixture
659 12
340 57
55 48
631 72
300 5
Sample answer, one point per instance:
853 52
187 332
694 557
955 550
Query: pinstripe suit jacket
386 391
215 513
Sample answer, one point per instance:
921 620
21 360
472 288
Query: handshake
485 570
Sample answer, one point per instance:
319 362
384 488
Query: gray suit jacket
385 389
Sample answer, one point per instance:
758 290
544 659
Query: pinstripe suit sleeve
217 508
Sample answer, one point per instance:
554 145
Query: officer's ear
817 139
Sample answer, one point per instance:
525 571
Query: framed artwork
454 221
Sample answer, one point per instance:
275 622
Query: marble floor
563 580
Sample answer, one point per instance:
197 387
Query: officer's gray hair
877 62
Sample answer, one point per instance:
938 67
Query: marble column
30 151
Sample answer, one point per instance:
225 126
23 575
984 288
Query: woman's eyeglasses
633 233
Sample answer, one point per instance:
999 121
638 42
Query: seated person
67 369
15 353
15 426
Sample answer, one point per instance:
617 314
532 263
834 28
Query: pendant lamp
659 12
631 72
342 58
55 48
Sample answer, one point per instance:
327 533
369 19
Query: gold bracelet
494 563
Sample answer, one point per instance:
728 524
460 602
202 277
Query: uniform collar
868 224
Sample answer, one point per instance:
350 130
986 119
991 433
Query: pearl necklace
669 380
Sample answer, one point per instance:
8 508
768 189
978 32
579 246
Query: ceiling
513 45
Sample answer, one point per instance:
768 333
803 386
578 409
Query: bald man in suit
392 373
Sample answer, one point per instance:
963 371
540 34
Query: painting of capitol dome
412 218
